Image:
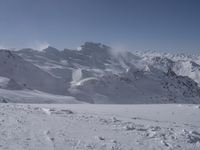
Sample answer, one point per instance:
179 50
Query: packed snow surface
99 127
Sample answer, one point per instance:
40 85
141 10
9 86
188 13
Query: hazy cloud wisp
40 45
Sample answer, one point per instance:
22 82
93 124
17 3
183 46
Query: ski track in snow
99 127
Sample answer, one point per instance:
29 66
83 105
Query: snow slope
99 127
28 75
33 96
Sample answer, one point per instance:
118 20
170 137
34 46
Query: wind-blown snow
76 76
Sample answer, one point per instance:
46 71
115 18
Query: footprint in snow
164 143
101 138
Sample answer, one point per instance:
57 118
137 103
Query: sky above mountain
165 25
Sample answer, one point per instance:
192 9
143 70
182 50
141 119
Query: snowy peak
50 49
52 53
90 48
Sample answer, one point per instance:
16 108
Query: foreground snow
99 127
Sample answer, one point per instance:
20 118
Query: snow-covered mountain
181 64
97 74
27 75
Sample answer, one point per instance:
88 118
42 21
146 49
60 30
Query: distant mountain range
97 74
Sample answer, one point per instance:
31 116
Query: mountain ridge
96 74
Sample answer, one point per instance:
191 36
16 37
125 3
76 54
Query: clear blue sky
166 25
